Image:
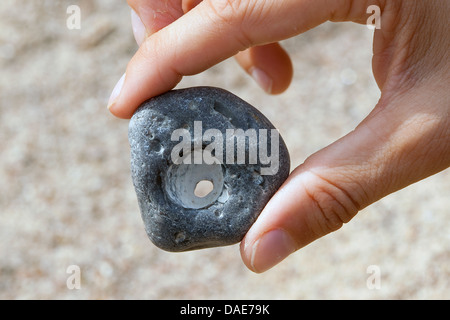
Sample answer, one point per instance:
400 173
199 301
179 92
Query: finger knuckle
334 205
226 8
233 14
233 11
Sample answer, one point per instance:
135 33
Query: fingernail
262 79
116 91
139 30
273 247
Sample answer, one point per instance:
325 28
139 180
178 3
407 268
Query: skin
404 139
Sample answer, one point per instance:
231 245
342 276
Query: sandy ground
66 196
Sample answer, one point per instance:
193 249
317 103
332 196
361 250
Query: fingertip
268 250
269 65
114 99
262 79
246 252
269 241
139 30
119 112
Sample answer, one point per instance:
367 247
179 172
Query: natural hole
194 186
203 188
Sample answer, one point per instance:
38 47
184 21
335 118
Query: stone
204 164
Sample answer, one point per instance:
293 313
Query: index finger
208 34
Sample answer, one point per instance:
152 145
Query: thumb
403 140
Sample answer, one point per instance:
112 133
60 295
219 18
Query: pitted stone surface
191 135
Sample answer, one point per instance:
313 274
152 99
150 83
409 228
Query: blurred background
66 196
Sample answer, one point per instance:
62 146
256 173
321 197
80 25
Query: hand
404 139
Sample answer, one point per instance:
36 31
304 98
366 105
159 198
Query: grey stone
173 149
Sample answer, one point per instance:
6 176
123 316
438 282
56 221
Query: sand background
66 196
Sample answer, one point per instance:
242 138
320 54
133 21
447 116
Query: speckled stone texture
175 218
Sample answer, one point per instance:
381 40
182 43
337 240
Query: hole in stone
158 180
223 110
180 237
203 188
181 183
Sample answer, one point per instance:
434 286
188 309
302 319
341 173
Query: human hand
404 139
